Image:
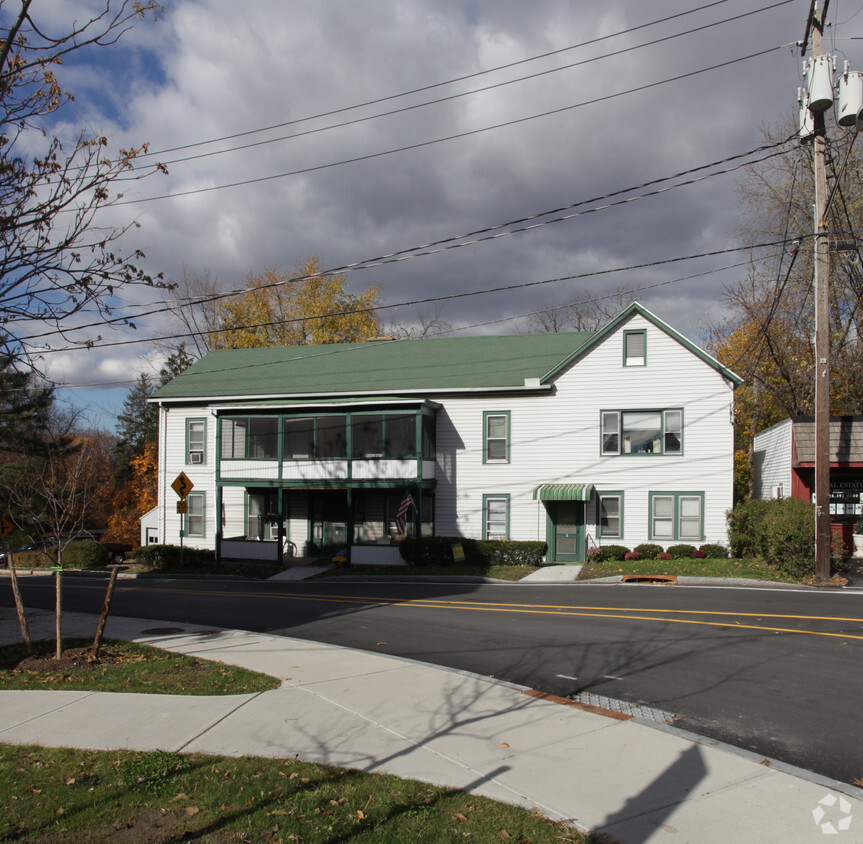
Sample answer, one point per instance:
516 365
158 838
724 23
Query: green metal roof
389 368
564 492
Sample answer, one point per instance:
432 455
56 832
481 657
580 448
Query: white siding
173 461
556 439
772 460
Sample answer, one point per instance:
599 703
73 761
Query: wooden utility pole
821 282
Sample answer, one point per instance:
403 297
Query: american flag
402 514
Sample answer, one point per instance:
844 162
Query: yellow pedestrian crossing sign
182 485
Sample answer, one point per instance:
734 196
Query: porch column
349 522
280 534
218 523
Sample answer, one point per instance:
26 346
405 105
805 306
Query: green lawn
694 568
129 667
72 795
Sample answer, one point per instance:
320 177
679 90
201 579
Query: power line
433 86
445 139
447 98
355 347
488 233
422 301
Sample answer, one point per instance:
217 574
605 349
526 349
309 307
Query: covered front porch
361 523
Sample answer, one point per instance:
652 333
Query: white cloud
211 69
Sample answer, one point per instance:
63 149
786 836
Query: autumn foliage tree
308 307
767 334
136 497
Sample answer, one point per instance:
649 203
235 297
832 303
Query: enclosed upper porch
387 441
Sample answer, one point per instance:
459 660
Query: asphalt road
776 671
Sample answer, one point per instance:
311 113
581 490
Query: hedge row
168 557
650 551
84 554
441 551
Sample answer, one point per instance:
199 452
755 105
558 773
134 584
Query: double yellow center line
703 618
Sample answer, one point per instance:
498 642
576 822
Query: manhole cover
637 710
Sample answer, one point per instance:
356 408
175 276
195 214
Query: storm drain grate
637 710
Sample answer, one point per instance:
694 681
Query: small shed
784 466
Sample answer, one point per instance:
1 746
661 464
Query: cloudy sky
445 136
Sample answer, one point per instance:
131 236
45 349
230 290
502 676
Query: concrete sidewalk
637 781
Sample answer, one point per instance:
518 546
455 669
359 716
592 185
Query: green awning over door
564 492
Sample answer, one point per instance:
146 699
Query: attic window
634 348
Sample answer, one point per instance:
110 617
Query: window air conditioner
196 457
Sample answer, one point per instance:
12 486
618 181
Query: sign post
182 486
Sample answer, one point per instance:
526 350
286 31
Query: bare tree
588 311
51 494
55 261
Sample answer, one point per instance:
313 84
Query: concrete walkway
635 780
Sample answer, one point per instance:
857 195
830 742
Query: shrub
36 559
681 552
745 528
698 554
714 550
613 552
664 555
438 551
86 554
648 550
779 531
632 555
788 536
168 557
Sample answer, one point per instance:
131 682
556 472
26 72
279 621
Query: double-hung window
495 516
611 515
195 514
196 441
677 516
642 432
495 437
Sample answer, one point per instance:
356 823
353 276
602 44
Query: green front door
566 531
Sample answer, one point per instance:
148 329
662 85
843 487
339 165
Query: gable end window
642 432
495 447
196 441
635 348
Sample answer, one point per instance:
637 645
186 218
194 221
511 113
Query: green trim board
563 492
